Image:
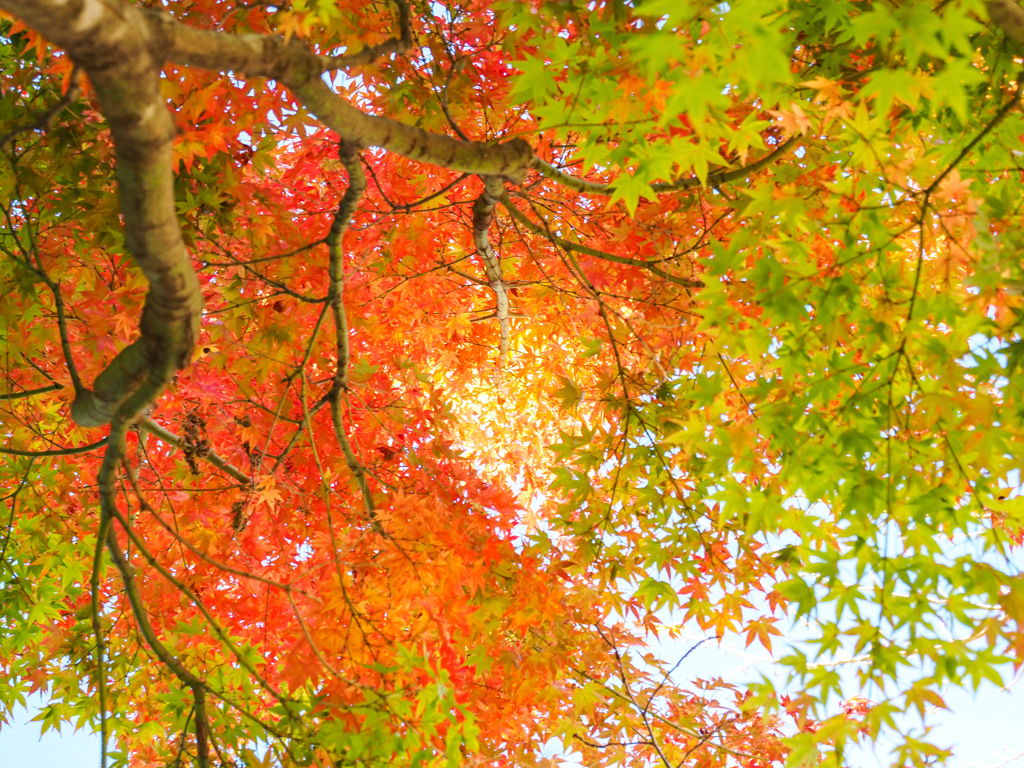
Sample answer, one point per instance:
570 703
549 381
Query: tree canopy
377 378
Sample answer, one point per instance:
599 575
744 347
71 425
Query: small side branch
56 451
335 300
65 339
172 439
45 121
544 231
62 329
483 215
715 179
112 460
30 392
216 629
399 44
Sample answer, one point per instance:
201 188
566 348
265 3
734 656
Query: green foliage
708 322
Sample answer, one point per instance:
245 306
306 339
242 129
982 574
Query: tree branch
112 459
299 69
56 451
172 439
544 231
483 215
45 121
399 44
1008 16
114 46
335 300
688 182
30 392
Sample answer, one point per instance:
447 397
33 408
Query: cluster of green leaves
850 402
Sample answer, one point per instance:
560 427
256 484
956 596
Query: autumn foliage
379 380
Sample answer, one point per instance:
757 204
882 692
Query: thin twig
45 121
397 45
31 392
56 451
545 232
688 182
172 439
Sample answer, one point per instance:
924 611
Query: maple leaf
825 90
953 188
793 121
268 493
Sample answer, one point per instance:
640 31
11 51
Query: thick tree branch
1008 16
510 159
299 69
113 44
